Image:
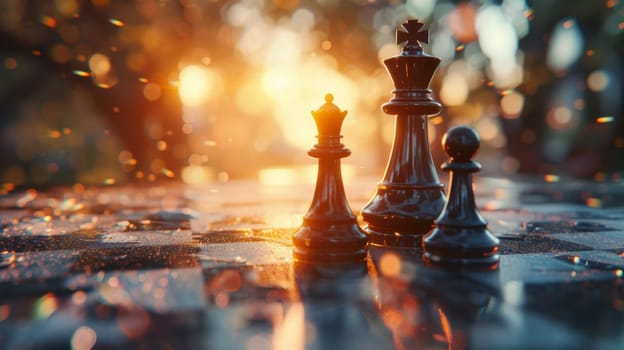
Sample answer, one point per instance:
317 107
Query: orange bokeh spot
133 321
390 265
551 178
462 23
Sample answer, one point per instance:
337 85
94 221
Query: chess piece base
378 237
471 248
485 263
399 215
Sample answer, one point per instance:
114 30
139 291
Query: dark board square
596 297
564 226
537 244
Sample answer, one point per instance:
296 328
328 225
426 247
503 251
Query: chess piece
410 196
329 233
461 238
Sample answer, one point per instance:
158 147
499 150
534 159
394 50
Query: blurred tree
121 56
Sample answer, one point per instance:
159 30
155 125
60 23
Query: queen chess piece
410 196
461 238
329 232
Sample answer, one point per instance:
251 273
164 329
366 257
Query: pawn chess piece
460 238
410 196
329 233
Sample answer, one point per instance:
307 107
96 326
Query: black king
410 196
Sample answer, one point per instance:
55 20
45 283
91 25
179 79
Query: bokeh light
84 338
141 87
45 306
598 80
511 105
196 84
566 45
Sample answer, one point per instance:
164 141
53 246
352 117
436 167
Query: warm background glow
196 85
111 91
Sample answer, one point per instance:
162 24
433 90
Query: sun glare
196 84
277 176
293 100
276 82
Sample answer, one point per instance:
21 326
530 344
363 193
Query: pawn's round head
461 143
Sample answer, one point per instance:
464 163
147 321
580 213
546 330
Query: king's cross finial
410 32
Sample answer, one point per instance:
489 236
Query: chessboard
188 267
